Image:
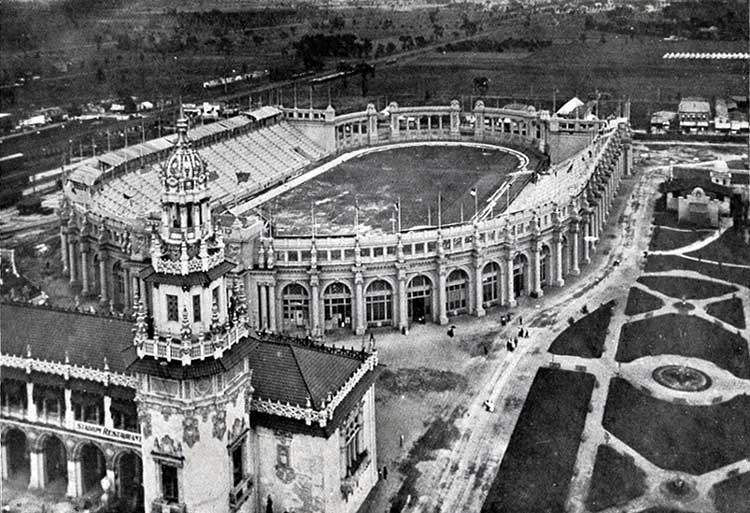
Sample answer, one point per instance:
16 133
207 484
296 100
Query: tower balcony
195 264
210 345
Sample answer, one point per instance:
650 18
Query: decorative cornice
68 371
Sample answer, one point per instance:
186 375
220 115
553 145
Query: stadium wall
313 286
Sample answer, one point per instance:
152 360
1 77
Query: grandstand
240 167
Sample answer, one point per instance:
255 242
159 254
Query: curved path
451 483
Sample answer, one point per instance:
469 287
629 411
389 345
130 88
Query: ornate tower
192 347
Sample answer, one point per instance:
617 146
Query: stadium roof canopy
570 107
262 113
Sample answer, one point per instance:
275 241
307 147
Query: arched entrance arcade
520 275
129 481
55 463
419 298
457 292
16 466
379 303
491 284
93 468
295 304
337 306
545 266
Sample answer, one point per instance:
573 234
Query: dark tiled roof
188 280
339 415
289 372
87 338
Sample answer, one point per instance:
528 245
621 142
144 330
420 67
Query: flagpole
476 205
312 214
462 212
399 214
356 216
440 210
429 216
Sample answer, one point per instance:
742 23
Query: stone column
111 477
4 463
315 305
73 265
108 423
37 478
509 282
128 299
360 325
75 483
272 307
64 249
478 290
574 234
103 278
31 413
84 271
442 296
69 413
586 243
537 270
403 310
559 280
262 291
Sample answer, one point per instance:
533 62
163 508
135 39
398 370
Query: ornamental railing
319 414
199 349
195 264
68 371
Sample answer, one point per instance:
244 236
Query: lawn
585 337
730 311
640 301
661 263
733 494
693 439
376 181
729 248
684 335
664 239
688 288
538 464
616 480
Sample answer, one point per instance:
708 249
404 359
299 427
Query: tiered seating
266 156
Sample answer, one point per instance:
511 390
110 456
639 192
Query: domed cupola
186 171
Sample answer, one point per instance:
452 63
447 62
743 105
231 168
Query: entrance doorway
419 298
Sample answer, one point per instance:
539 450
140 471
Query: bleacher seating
241 166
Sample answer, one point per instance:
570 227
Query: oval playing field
375 181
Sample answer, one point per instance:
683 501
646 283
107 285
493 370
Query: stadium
452 211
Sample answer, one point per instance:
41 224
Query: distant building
663 121
699 202
520 106
721 116
694 114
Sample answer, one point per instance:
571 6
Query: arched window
379 302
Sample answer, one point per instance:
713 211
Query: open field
684 335
537 466
585 337
687 288
678 437
729 310
376 180
616 480
661 263
640 301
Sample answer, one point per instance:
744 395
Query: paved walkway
459 478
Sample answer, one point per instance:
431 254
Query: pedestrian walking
385 472
372 338
401 441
